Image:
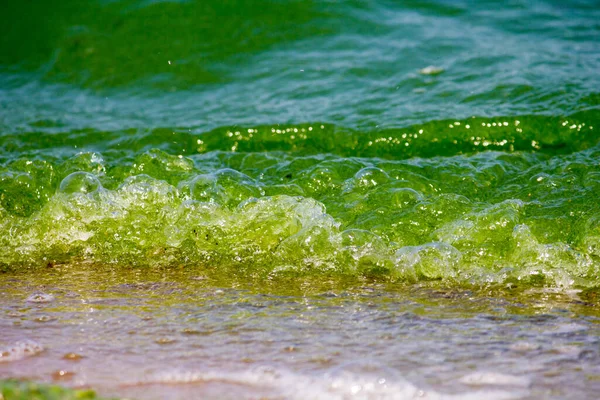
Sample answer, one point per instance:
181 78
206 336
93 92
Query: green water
304 146
504 200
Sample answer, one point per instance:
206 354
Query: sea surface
301 199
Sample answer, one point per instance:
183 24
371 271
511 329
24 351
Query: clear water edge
242 338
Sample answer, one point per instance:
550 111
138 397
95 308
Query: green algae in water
478 201
304 138
21 390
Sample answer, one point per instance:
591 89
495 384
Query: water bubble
87 162
160 165
226 187
367 379
434 260
79 182
367 177
20 350
40 298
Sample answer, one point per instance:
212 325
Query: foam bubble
79 182
376 208
362 380
20 350
40 298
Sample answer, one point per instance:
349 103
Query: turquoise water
416 150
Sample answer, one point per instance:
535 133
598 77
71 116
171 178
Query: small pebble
72 357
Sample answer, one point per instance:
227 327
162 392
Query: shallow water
174 334
297 199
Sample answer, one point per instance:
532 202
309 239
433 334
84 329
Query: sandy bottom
183 335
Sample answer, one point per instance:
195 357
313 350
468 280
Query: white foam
431 70
493 378
20 350
336 385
